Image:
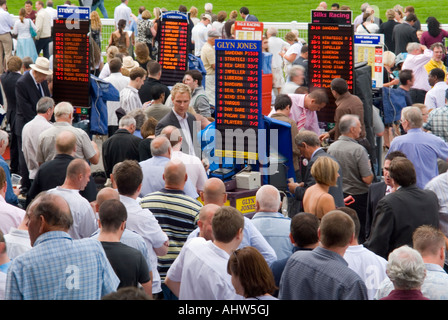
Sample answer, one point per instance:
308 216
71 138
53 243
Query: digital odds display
238 94
174 37
71 68
330 55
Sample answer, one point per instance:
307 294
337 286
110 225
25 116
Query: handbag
32 31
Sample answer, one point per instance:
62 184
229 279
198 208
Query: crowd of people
160 227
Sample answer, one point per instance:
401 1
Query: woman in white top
368 25
293 52
25 43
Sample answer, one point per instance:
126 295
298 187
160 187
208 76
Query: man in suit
122 145
29 89
398 214
180 118
244 12
404 33
309 146
378 190
8 81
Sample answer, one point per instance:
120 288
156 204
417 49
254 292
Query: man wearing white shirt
10 216
210 257
195 169
275 46
418 56
31 131
128 177
119 81
77 177
43 32
6 24
435 97
123 12
199 34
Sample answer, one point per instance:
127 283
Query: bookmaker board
71 51
238 97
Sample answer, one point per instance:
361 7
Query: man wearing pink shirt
304 107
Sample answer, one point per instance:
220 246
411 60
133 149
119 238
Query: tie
39 88
301 121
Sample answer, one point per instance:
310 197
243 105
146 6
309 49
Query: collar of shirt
172 191
51 235
179 117
315 152
434 267
330 254
415 130
264 214
345 138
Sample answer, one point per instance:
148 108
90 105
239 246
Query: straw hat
129 63
42 65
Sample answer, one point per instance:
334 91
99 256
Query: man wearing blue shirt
323 274
422 148
58 267
273 225
6 24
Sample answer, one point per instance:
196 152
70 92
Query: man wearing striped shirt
129 98
176 213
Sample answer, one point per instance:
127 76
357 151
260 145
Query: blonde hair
95 21
389 58
325 171
193 12
180 88
111 51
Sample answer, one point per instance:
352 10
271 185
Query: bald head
214 192
161 147
172 134
268 199
66 142
205 220
175 174
104 194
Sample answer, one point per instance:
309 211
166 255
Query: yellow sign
245 205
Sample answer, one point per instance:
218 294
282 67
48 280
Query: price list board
174 37
330 55
238 96
71 69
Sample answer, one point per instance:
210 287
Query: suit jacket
171 120
308 181
9 80
398 215
402 34
52 174
122 145
377 191
27 96
251 17
145 92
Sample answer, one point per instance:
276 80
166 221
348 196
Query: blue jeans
100 5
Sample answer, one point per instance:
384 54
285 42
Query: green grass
269 11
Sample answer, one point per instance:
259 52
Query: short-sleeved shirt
201 268
208 58
422 149
60 268
128 263
354 161
47 141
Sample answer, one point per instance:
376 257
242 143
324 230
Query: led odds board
174 37
330 55
238 97
71 68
